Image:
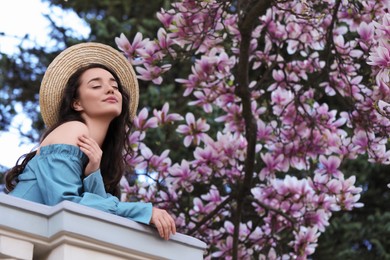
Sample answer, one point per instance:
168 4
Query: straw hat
69 61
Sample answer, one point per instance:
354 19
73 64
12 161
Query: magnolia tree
295 85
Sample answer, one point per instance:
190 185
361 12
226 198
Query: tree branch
210 215
248 19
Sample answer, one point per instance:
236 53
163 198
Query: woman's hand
163 222
92 151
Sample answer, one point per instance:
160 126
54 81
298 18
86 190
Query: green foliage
107 18
356 236
363 233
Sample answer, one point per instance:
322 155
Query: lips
111 100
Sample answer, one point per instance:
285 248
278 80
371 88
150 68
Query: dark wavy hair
116 144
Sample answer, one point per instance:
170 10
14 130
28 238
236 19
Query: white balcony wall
69 231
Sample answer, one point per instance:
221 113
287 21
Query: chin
113 115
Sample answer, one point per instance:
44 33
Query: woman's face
98 95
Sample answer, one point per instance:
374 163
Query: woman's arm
92 192
59 178
164 223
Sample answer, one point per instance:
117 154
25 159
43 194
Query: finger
160 228
90 145
173 225
166 229
87 140
94 147
83 138
85 150
164 223
169 224
83 143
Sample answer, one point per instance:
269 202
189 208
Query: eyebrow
99 79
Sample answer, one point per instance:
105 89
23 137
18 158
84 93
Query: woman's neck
98 130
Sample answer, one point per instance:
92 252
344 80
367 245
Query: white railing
71 231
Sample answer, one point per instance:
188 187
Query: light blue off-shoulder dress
56 174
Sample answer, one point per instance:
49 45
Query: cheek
87 100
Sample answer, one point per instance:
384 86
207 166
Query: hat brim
75 57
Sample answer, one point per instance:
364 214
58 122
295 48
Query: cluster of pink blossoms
298 58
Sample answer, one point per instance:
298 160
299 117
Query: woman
88 96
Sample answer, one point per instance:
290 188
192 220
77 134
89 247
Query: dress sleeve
59 178
93 183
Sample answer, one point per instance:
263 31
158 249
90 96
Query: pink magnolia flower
383 108
279 76
271 164
306 241
234 122
380 57
151 52
233 146
129 49
204 99
205 67
208 156
182 176
124 184
194 131
383 28
147 193
123 43
329 166
225 63
366 31
146 154
264 132
163 117
319 218
165 18
152 73
291 185
190 84
200 207
135 160
280 98
135 138
351 194
334 186
224 249
165 42
361 140
213 196
142 123
229 227
160 163
342 46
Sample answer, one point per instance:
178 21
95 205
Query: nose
110 90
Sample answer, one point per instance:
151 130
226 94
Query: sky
18 18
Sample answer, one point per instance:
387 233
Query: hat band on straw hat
78 56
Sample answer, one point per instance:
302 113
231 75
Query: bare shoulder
74 127
67 133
